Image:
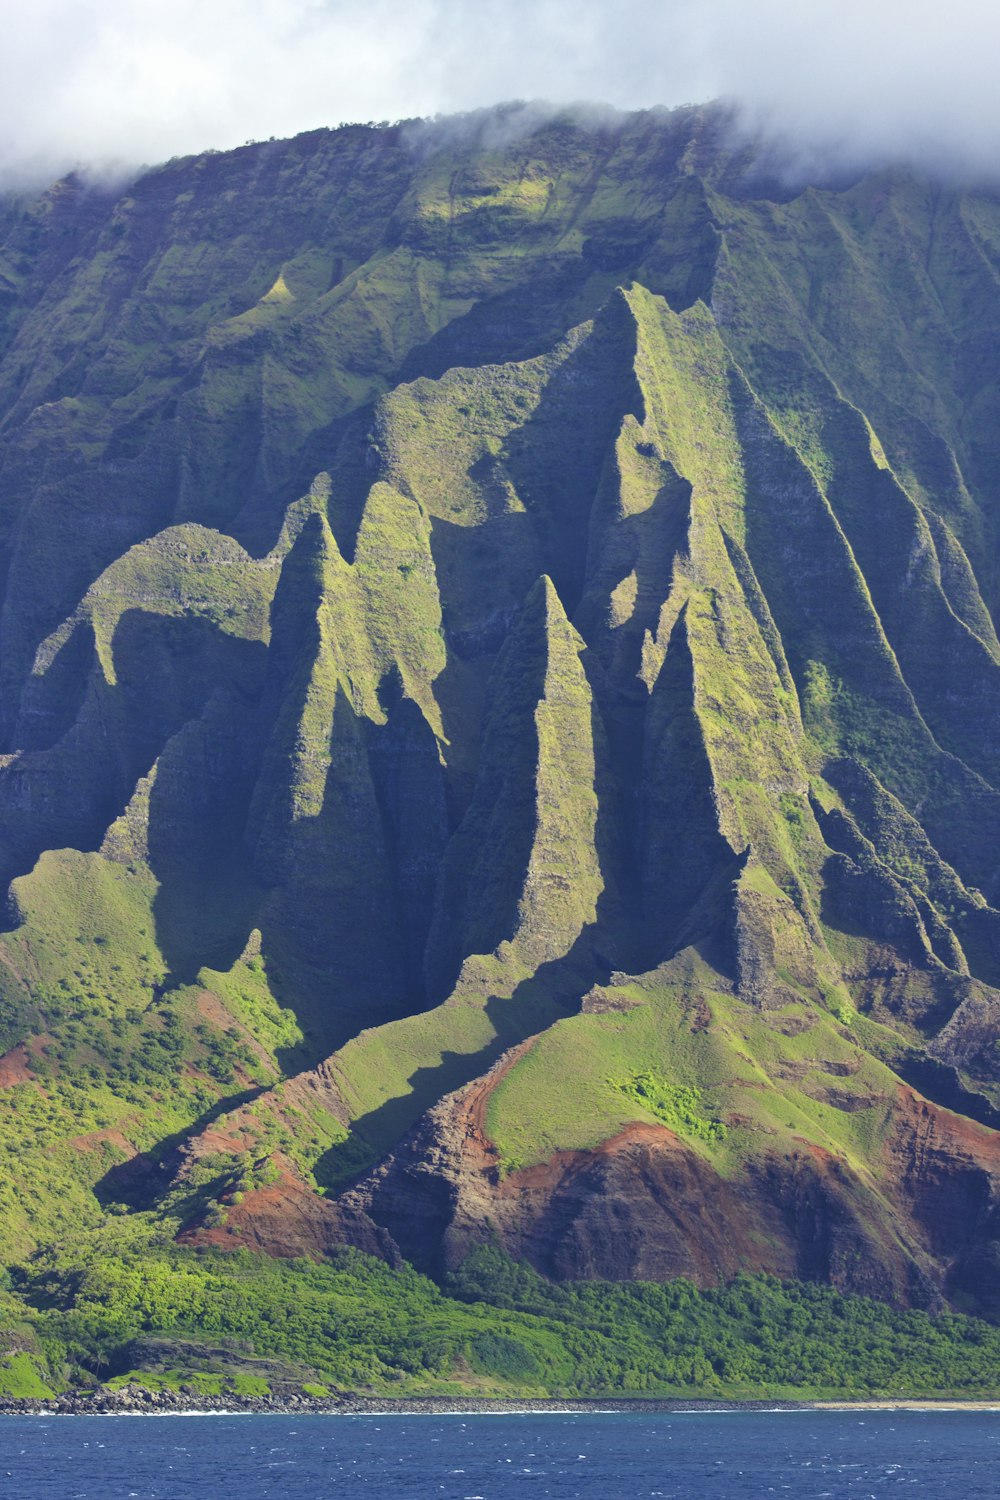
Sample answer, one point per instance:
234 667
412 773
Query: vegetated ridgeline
502 709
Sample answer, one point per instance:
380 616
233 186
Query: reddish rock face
945 1173
643 1205
287 1219
14 1067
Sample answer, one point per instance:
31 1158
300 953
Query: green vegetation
790 1074
678 1106
20 1378
498 1329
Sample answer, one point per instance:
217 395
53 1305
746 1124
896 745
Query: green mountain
501 714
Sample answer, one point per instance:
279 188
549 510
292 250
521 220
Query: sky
123 82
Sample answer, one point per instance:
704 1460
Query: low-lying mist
110 84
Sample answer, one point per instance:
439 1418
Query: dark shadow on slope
210 681
942 1084
483 875
207 898
167 669
51 702
556 460
945 665
978 931
683 857
352 472
140 1182
514 325
483 872
658 536
343 449
329 914
552 992
67 796
831 633
409 784
557 986
680 263
77 524
553 463
332 925
481 603
644 546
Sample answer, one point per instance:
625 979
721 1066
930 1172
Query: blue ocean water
593 1456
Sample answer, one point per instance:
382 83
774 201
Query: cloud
129 81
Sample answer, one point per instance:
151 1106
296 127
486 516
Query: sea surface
724 1456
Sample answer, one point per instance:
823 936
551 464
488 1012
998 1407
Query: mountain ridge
501 687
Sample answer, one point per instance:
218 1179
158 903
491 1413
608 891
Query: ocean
807 1455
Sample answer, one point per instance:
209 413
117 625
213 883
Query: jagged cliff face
501 704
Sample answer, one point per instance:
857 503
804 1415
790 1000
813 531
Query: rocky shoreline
135 1401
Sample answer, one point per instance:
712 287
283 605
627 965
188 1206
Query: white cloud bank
102 81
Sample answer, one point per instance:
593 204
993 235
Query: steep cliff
501 705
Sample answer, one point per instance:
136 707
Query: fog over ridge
102 82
